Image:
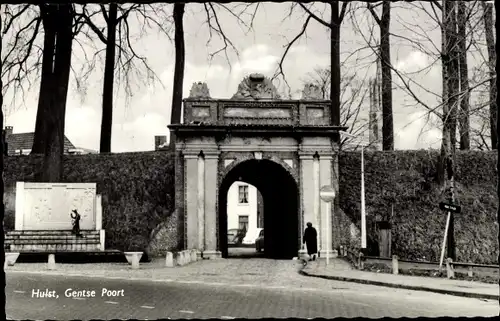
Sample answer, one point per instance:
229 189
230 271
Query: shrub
406 181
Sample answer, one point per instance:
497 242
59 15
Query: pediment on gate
254 87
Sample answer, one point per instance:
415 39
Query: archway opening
280 198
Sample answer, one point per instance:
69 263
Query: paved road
153 299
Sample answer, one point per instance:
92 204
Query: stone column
211 195
201 202
317 201
191 200
326 171
309 169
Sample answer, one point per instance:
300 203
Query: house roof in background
22 141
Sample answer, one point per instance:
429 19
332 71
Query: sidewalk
340 270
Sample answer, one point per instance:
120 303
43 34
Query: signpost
327 194
450 208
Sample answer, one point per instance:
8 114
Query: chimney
160 142
8 131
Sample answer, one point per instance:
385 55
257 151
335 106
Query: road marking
111 302
18 291
147 307
185 311
188 282
79 298
225 317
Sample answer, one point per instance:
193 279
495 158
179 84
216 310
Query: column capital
190 156
326 156
211 154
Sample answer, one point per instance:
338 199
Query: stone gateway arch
287 149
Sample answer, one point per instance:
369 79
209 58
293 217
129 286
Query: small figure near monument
76 223
310 239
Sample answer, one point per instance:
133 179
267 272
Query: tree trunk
180 56
385 53
450 91
464 121
453 68
109 71
52 167
335 80
48 13
492 57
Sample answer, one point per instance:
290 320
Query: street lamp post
363 212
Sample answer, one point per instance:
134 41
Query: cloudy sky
141 116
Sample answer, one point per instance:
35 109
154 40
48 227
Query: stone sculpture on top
256 86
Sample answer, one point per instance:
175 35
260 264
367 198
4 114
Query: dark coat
310 238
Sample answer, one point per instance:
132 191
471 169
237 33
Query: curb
407 287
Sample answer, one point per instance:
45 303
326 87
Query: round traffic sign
327 193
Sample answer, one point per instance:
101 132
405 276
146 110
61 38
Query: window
243 194
243 222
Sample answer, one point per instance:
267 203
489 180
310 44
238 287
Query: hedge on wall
137 191
402 187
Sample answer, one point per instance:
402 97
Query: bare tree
180 56
57 86
464 122
352 97
492 57
214 26
2 145
385 56
48 15
336 17
119 66
107 92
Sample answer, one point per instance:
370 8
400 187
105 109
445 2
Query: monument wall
137 195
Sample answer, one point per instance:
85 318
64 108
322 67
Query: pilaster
201 203
211 192
191 200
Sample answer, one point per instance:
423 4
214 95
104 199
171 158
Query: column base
331 254
211 255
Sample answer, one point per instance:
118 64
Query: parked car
250 238
234 236
259 242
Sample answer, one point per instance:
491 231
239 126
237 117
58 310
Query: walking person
310 239
76 223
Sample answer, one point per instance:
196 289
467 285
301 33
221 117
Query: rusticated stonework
256 86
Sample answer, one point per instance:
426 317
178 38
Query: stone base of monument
51 264
56 240
11 258
133 258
